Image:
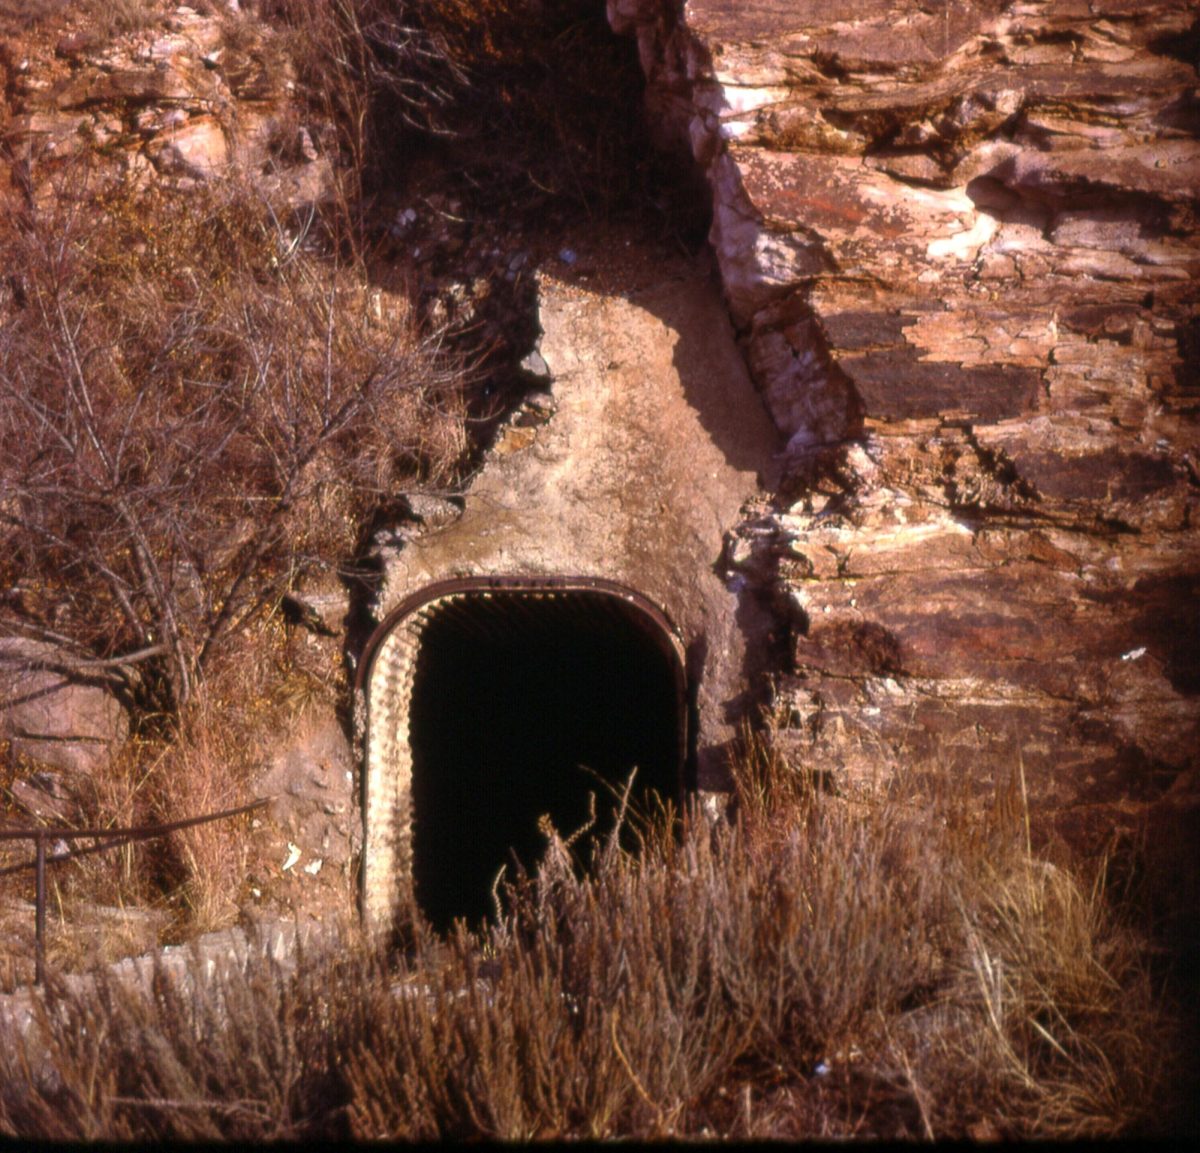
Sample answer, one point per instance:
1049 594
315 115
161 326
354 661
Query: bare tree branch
176 418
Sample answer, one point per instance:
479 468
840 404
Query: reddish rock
48 715
184 100
959 243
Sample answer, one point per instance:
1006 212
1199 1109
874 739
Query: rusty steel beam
530 585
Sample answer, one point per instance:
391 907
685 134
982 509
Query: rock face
958 241
314 830
187 98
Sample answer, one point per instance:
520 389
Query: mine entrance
525 701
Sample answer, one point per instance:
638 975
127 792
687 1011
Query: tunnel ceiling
491 614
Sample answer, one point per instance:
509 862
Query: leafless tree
193 412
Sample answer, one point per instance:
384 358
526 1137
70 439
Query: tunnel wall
386 680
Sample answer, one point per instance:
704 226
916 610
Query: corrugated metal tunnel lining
493 702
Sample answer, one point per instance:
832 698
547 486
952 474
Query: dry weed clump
96 903
810 970
16 15
198 411
217 747
105 18
106 905
205 770
240 1054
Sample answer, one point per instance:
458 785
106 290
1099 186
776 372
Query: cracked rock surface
958 242
183 98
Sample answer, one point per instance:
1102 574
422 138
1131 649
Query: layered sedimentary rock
958 240
185 98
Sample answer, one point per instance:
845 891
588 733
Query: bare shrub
254 692
194 413
109 18
105 18
18 14
819 970
242 1054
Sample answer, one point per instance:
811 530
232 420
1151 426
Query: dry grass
128 899
104 18
16 15
897 969
109 18
206 770
100 907
200 408
258 691
198 413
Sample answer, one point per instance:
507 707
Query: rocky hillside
148 138
958 239
958 242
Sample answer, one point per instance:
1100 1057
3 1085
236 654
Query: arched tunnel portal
493 702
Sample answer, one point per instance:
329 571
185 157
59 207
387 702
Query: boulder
196 148
52 717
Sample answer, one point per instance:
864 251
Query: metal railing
111 838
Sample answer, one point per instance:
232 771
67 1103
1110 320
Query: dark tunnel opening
522 706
